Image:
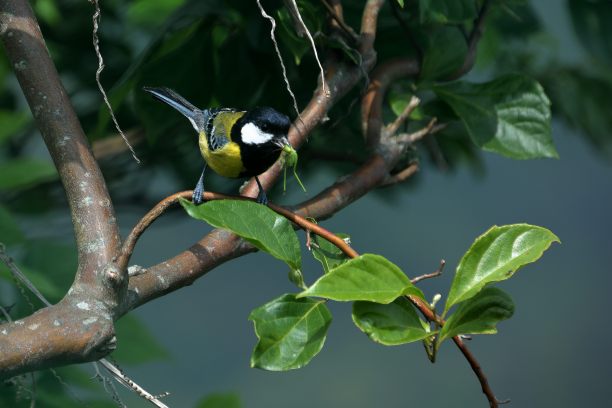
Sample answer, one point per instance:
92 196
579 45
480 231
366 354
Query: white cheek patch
251 134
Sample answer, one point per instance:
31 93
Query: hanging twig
278 54
96 43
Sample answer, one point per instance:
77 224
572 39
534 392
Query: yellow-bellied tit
233 143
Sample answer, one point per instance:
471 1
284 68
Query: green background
539 358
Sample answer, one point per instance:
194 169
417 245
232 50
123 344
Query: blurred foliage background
218 53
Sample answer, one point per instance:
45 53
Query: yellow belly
225 160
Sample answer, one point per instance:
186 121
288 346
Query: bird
234 143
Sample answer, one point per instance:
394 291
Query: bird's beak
282 142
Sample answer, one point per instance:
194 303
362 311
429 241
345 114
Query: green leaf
509 115
10 233
368 277
444 51
591 21
401 3
479 314
135 343
219 400
291 332
392 324
148 12
327 253
21 173
447 11
497 255
254 222
582 100
11 123
48 11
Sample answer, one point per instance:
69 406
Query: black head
262 125
261 134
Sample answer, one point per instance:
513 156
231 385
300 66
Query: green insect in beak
234 143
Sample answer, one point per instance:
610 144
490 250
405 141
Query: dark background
553 352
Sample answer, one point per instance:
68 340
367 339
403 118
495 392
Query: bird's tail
176 101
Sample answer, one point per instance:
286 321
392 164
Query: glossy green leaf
509 115
391 324
479 314
401 3
219 400
256 223
447 11
291 332
10 233
591 21
368 277
327 253
135 343
21 173
497 255
444 51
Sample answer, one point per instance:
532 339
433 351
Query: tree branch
371 104
93 217
473 40
80 327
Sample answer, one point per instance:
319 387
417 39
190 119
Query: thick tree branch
93 217
80 327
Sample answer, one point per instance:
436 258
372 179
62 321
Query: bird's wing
219 125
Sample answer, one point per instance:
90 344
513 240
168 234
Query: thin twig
401 175
473 39
296 11
96 43
19 276
434 274
6 314
410 107
280 57
129 384
347 29
430 129
482 378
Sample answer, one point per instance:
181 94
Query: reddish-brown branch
369 22
163 205
482 378
335 11
371 103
